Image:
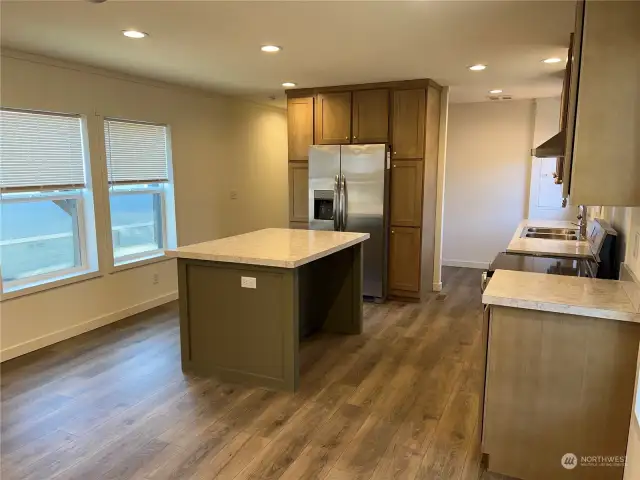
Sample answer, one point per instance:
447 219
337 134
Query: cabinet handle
355 138
395 153
393 231
394 165
346 138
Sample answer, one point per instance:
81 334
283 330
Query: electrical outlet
248 282
156 279
636 246
233 194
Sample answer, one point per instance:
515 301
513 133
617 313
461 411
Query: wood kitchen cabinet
333 118
370 116
406 193
602 154
408 127
405 114
298 192
404 261
557 383
300 127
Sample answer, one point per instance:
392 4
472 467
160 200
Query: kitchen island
245 301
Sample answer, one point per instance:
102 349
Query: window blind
136 152
40 151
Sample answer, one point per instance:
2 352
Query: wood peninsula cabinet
561 357
405 115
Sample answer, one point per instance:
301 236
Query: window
140 190
45 202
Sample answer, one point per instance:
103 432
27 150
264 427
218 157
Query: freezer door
364 195
324 176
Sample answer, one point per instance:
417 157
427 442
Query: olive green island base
251 335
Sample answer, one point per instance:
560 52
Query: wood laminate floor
398 402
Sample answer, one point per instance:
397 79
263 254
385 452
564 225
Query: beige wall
219 144
487 179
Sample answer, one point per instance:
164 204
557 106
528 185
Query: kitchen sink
551 236
558 231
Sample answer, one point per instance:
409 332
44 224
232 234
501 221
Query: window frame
86 222
141 189
80 244
166 190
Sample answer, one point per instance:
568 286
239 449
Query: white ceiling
215 45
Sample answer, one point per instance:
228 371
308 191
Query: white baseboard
437 287
465 264
75 330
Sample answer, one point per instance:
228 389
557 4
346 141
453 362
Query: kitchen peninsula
246 300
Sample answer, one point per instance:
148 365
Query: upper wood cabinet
370 116
406 193
333 118
408 128
404 259
298 192
300 127
602 158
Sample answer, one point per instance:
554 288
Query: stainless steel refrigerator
348 191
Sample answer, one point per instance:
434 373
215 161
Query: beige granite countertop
616 300
273 247
564 248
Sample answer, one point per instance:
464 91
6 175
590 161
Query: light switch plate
248 282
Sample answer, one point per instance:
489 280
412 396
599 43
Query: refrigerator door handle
336 200
344 201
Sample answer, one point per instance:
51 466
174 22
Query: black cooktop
556 266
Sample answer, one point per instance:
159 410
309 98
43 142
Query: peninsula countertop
537 246
273 247
615 300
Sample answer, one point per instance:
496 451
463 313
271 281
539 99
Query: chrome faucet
582 221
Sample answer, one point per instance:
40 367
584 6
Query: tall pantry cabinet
406 115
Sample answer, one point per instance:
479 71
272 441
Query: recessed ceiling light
270 48
552 60
495 91
288 84
477 68
134 34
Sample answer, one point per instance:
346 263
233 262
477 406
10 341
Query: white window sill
154 257
48 284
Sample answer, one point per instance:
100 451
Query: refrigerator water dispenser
323 205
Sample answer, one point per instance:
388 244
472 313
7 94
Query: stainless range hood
552 148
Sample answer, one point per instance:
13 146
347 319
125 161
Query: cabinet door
370 116
406 193
404 259
333 118
300 127
298 192
408 123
